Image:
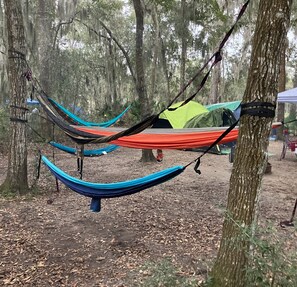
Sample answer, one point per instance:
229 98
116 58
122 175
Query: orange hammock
172 140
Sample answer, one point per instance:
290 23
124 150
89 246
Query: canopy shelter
289 96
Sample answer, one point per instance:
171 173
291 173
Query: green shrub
164 274
270 264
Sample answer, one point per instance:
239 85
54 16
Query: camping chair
290 142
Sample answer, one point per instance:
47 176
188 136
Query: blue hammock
79 121
87 152
108 190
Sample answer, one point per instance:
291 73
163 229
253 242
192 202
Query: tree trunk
155 51
111 77
215 84
251 152
45 20
184 44
16 180
145 108
281 88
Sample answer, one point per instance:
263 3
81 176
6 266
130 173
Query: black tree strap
17 54
259 109
19 107
18 120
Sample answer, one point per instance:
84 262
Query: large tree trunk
251 152
16 180
145 109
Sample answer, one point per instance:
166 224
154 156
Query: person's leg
159 155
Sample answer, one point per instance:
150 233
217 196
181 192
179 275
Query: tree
147 155
251 152
16 180
281 88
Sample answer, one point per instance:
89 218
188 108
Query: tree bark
155 51
44 27
281 88
145 108
16 181
251 152
184 44
215 84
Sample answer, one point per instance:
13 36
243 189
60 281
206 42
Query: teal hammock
97 191
86 152
78 121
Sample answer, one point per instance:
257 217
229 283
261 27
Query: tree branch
60 24
116 42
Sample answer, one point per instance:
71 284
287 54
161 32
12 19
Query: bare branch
60 24
116 42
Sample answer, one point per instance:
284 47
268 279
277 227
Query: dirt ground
54 239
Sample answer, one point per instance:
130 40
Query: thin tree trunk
215 84
184 44
281 88
155 52
251 152
45 19
145 108
111 77
165 71
16 180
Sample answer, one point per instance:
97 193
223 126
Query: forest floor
53 239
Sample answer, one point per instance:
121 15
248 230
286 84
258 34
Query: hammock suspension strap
256 109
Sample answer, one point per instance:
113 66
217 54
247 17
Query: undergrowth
272 263
164 274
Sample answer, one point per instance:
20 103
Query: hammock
87 153
108 190
132 138
83 137
166 139
75 120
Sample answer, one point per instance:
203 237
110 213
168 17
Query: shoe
159 157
